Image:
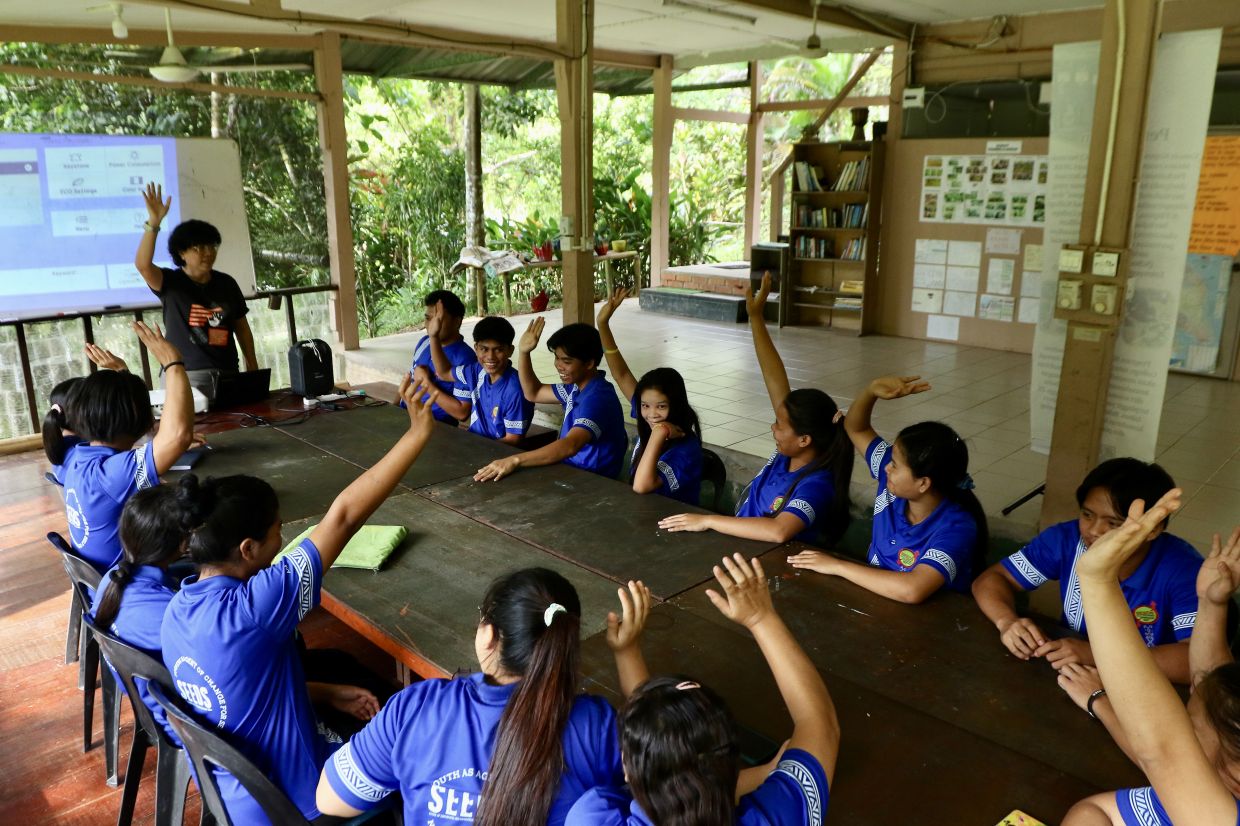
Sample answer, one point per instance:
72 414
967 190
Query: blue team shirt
1141 807
70 442
679 470
497 408
680 464
1162 592
795 794
98 481
230 649
138 623
943 540
457 353
596 410
812 495
434 740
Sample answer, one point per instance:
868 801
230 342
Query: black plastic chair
714 472
171 767
208 750
83 578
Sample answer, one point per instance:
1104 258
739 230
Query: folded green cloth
368 549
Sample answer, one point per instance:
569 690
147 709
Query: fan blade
257 68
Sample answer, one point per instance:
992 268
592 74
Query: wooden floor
44 775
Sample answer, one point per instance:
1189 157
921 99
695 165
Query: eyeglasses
203 249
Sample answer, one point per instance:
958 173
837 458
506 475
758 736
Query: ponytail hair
225 511
670 383
56 420
543 646
935 451
814 414
678 742
154 526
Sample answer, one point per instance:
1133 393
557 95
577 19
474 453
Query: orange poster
1216 219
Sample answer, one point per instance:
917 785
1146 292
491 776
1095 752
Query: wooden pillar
335 146
475 227
754 144
660 170
1085 376
574 84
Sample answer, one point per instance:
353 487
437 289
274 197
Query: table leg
507 295
607 273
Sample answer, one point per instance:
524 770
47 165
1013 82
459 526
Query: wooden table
939 723
608 273
597 523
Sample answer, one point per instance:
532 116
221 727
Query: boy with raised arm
592 436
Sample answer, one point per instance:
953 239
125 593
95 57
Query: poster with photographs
1008 190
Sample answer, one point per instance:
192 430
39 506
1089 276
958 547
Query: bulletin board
973 283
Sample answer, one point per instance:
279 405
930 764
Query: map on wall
1008 190
1203 305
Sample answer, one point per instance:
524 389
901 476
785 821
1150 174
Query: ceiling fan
813 47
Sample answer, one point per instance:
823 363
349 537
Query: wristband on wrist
612 351
164 367
1093 698
150 227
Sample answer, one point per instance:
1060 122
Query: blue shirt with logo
497 408
230 649
98 482
943 540
457 353
70 442
1141 807
1162 592
596 410
679 470
768 490
433 743
139 621
795 794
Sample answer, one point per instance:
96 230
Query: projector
158 397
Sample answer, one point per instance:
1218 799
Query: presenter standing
204 310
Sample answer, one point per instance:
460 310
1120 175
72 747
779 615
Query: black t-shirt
200 318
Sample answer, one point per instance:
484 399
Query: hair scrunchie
552 609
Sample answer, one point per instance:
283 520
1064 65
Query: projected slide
71 216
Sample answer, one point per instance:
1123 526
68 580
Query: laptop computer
236 389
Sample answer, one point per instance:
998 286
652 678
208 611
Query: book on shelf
854 250
850 216
807 247
809 178
854 175
848 303
852 287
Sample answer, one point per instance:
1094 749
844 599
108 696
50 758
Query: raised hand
897 387
434 321
756 304
106 359
529 339
611 304
421 419
164 351
745 600
1109 552
156 206
624 631
1220 573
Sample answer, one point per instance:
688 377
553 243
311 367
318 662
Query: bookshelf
834 230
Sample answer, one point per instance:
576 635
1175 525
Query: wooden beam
475 231
660 170
152 83
158 37
333 141
1085 375
754 144
868 22
842 95
574 82
719 116
819 103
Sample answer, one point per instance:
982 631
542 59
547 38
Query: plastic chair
171 767
208 750
714 472
83 578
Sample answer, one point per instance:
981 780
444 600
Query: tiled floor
983 394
